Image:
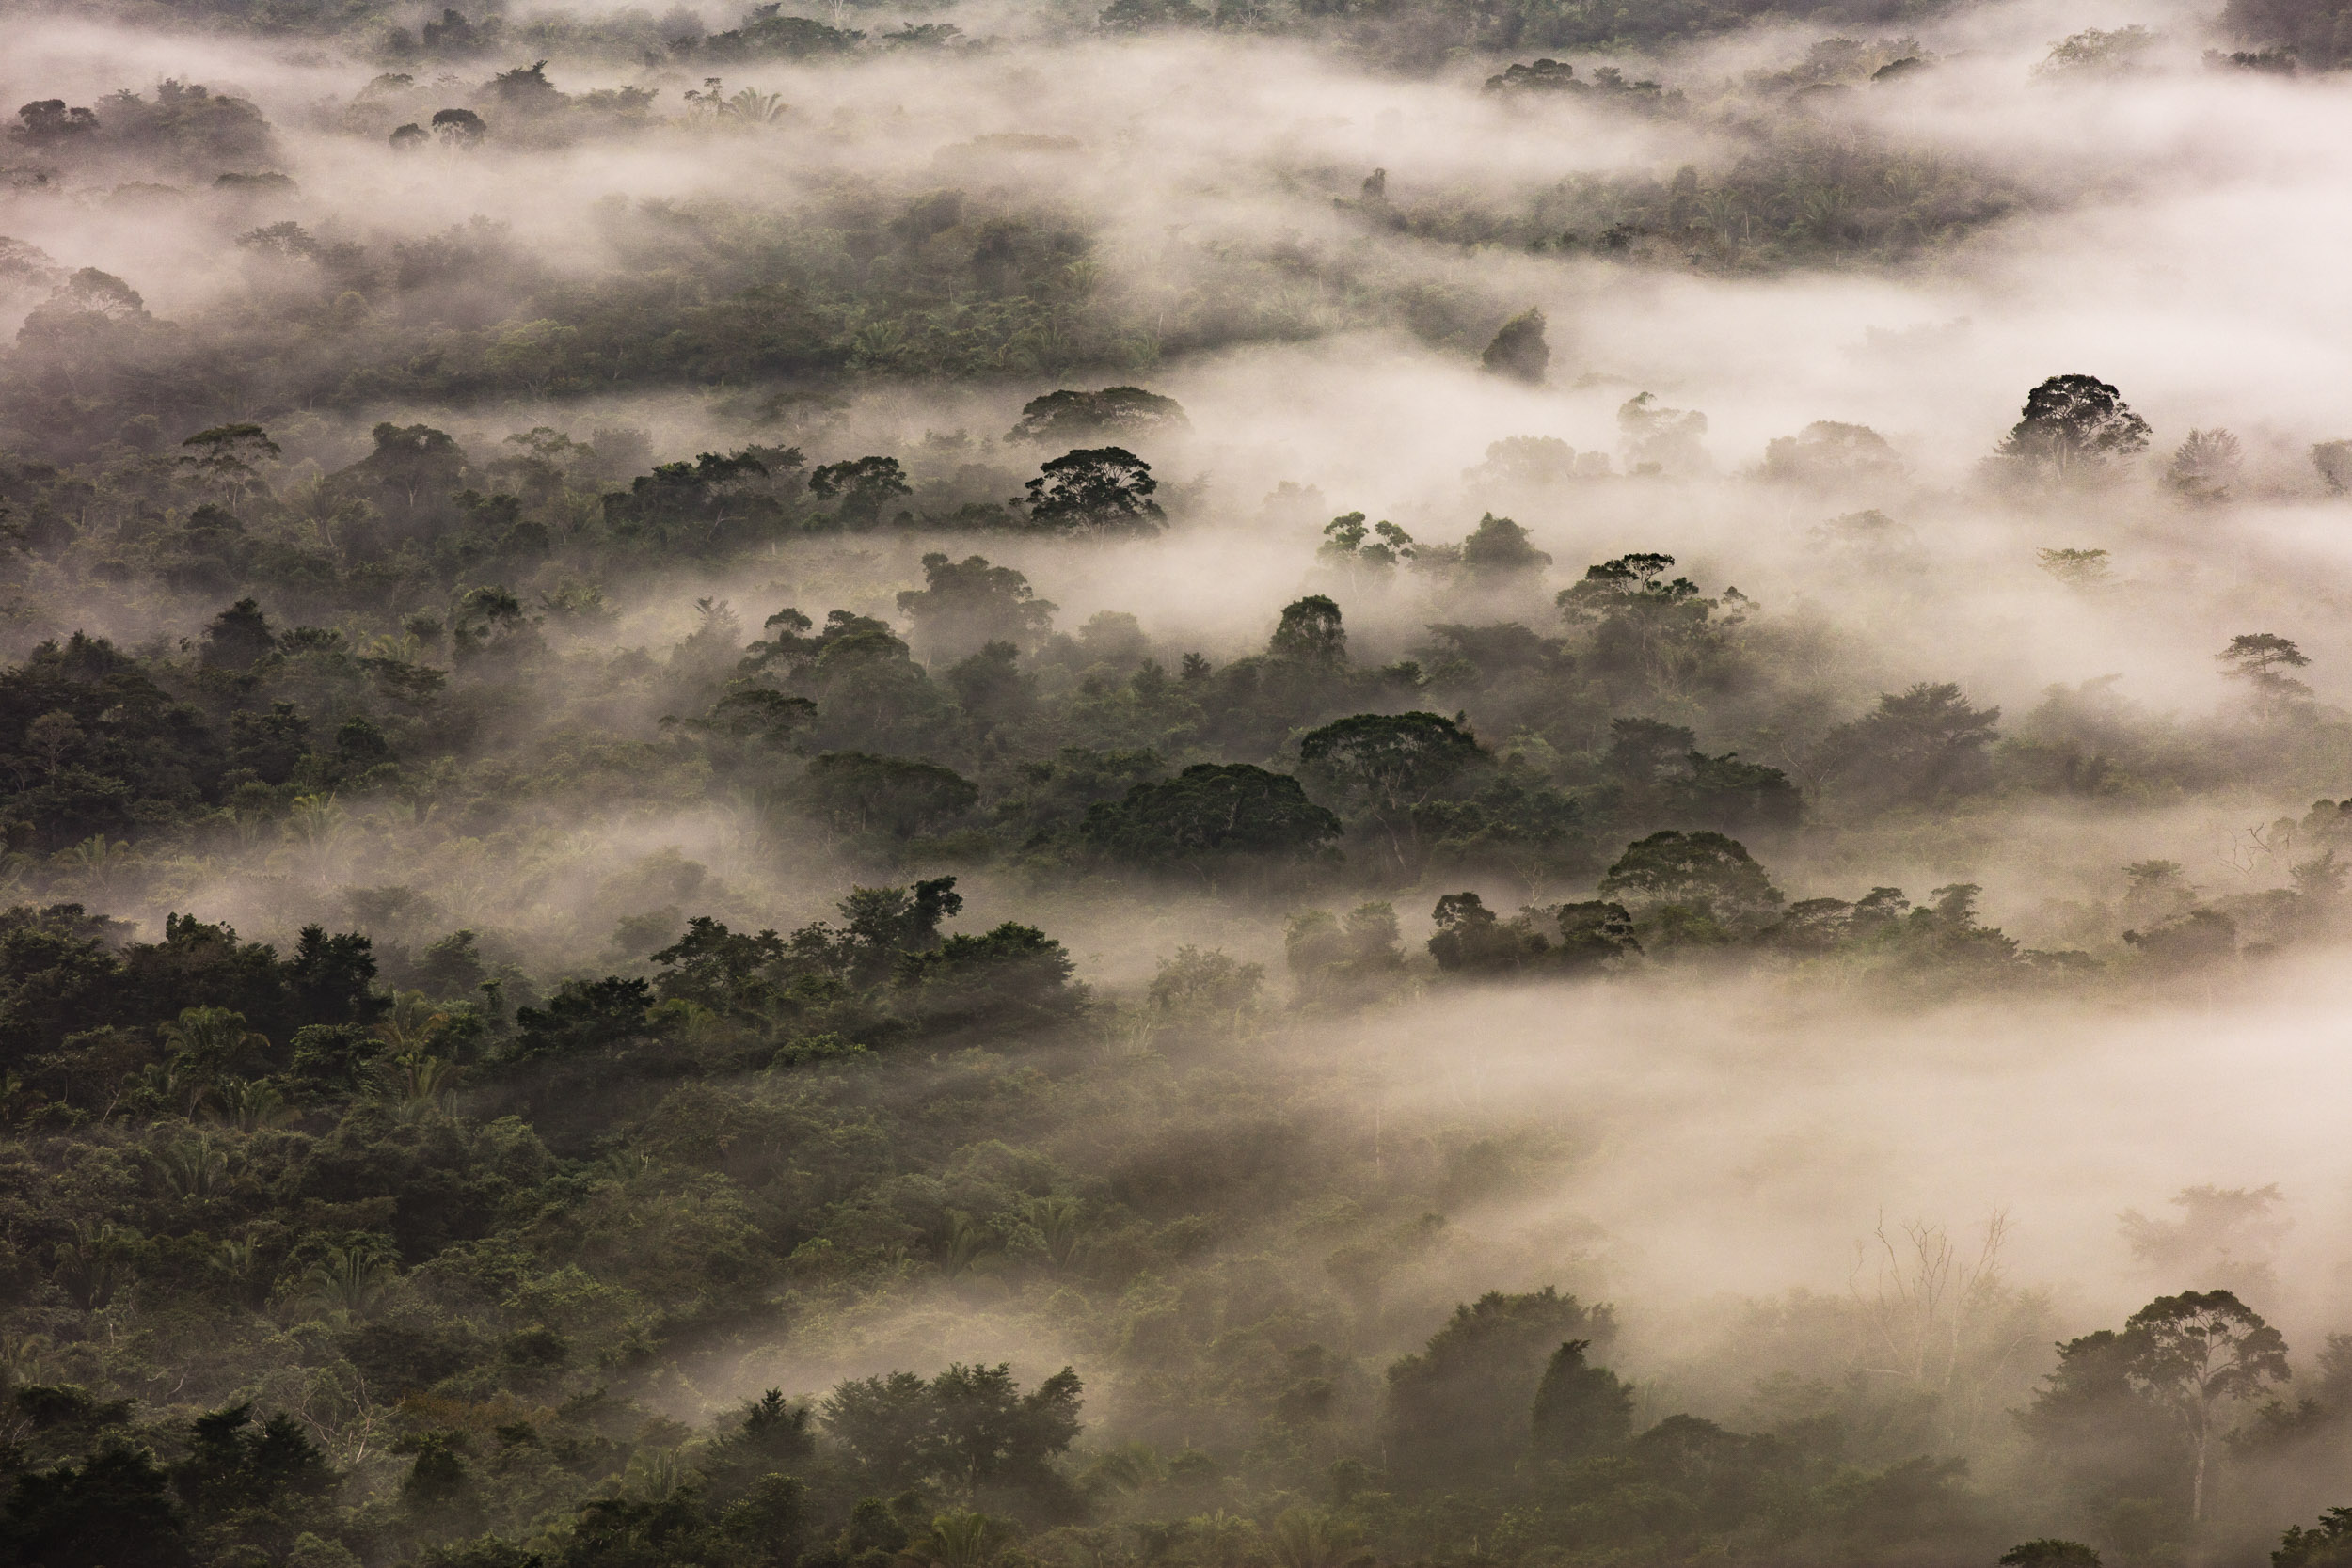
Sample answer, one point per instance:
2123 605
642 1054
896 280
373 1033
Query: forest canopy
1172 785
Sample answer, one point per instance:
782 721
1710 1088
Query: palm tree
171 1084
411 1024
91 1262
192 1167
1722 209
99 863
415 1085
249 1106
967 1538
208 1043
1309 1538
753 107
317 824
967 1242
1824 211
242 1265
1060 1224
347 1280
25 1358
1225 1539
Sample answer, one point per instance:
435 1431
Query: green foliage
1492 1357
2321 1546
1210 815
2074 427
965 605
1125 411
1093 492
1710 878
1579 1409
1518 350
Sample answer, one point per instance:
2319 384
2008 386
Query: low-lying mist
1271 786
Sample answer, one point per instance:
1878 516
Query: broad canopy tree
1126 412
1210 815
1389 765
1093 492
2195 1354
2075 427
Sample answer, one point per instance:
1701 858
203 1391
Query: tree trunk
2197 1488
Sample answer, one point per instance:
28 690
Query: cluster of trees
1805 195
510 1193
862 278
184 130
973 732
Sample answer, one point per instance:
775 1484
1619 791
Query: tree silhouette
2074 426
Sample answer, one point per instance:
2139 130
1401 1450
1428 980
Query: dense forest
1237 784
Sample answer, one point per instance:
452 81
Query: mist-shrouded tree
2195 1354
717 968
1579 1409
1594 931
1645 753
969 1428
1462 1407
899 797
1209 814
225 461
1008 979
966 604
1354 953
1310 632
880 926
1917 746
1388 764
1496 548
527 90
1375 549
861 489
2261 659
1660 633
1095 491
2205 465
1827 453
2074 427
1471 939
1127 412
2333 459
870 694
238 637
716 501
2077 568
757 719
409 476
1727 793
460 128
1655 439
991 688
1703 872
1519 351
48 123
2226 1236
2098 1433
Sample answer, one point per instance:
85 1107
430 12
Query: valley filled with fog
1295 785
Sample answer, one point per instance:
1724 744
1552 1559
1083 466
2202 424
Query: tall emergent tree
2195 1353
2074 427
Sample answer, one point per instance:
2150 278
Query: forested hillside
1260 786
